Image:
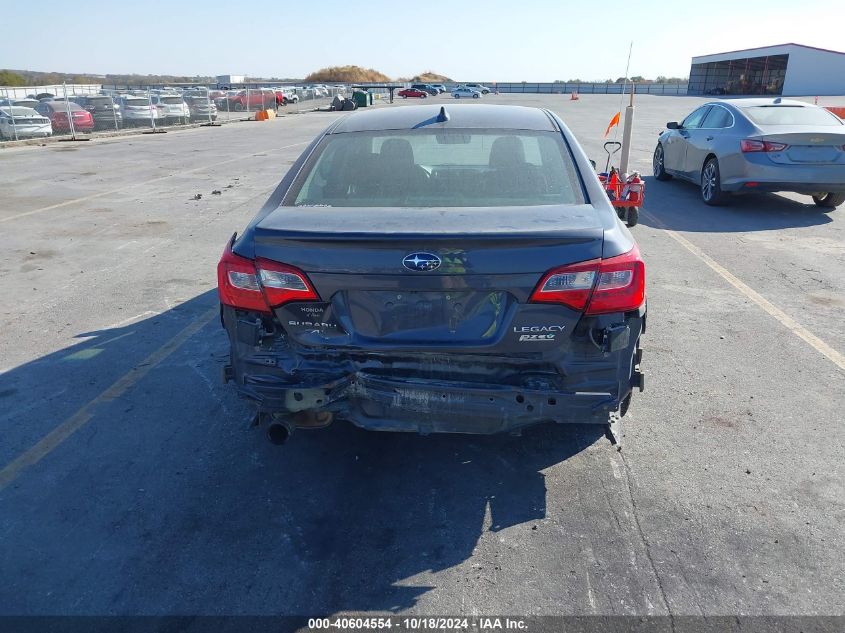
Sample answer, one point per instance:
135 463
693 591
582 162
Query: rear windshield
436 168
98 101
790 115
136 102
170 99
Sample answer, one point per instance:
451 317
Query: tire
424 96
633 217
711 184
829 200
658 166
476 96
457 96
238 107
485 92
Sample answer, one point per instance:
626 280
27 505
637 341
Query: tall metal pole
626 134
150 102
114 112
67 109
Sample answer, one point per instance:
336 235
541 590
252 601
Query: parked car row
423 91
43 114
28 118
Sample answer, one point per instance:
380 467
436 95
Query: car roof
57 104
460 116
748 103
19 111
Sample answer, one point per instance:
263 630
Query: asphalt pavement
131 482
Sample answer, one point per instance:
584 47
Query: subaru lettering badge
421 262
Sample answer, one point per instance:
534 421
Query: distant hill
431 77
347 74
35 78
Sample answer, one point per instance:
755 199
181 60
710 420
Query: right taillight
260 285
616 284
569 285
621 284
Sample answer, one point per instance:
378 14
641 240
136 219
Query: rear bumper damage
437 392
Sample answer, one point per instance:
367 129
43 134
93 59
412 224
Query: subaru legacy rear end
431 270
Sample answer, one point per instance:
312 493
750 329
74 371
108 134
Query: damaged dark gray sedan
436 269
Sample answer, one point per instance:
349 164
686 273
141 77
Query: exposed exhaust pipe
279 431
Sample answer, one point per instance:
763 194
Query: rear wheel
711 184
476 95
658 164
457 96
829 200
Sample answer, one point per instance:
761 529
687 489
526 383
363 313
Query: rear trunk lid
378 292
806 147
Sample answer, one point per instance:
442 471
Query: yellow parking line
94 196
79 419
787 321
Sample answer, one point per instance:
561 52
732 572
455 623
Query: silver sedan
739 146
463 91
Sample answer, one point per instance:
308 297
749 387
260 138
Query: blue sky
493 40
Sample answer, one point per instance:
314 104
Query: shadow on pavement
678 206
166 502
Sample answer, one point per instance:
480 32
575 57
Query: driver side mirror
673 125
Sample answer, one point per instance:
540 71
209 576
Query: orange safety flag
613 121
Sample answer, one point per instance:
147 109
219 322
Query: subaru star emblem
421 262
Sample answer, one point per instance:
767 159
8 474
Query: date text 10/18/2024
481 624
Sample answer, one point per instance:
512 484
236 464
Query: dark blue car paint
495 369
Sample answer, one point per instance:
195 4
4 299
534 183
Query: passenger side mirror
673 125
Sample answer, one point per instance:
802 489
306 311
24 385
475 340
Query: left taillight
261 284
615 284
748 145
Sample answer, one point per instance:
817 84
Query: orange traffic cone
574 96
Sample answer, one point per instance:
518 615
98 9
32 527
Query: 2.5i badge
538 332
